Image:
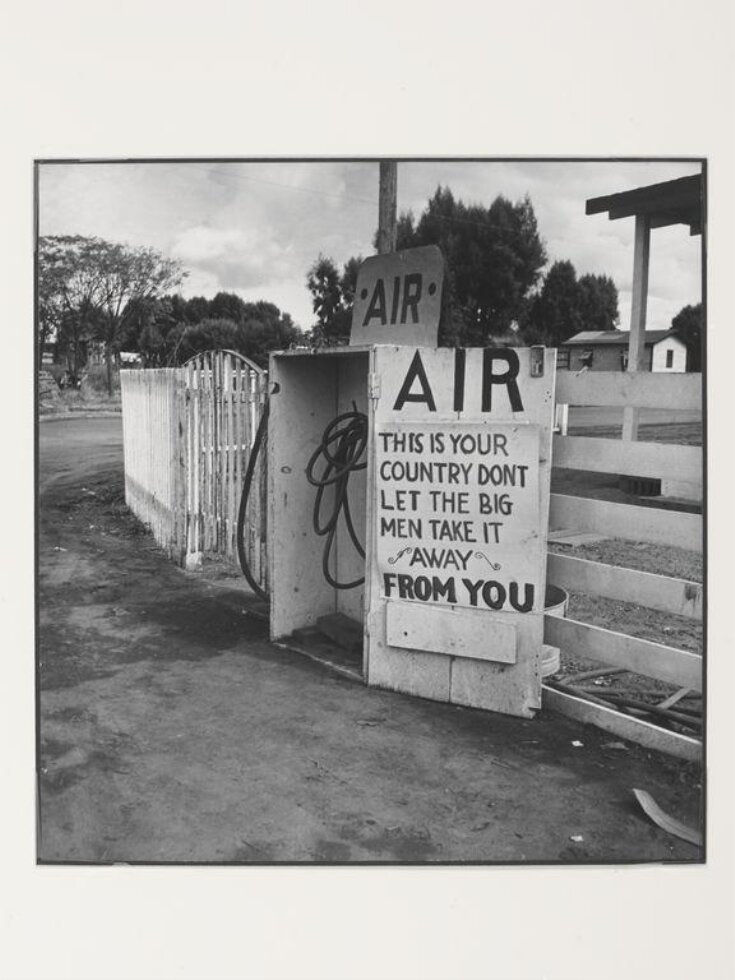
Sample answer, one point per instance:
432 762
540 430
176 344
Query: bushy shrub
94 380
57 371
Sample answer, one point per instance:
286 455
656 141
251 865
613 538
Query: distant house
95 352
607 350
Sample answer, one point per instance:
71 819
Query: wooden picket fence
188 433
155 454
634 523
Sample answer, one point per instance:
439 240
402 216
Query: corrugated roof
592 338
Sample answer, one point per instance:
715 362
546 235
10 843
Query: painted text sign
398 298
458 516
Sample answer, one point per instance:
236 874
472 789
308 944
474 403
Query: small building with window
669 354
607 350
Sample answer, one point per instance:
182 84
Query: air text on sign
398 298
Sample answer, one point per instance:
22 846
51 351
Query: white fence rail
154 453
633 523
188 434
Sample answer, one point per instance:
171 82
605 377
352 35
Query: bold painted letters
508 378
415 371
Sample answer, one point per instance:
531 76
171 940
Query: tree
99 286
554 315
494 258
226 306
197 308
187 339
688 326
566 305
598 302
68 287
333 295
263 329
129 276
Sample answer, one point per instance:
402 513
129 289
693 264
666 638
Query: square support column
638 309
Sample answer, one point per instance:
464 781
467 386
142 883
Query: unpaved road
173 731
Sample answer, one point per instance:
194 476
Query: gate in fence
188 435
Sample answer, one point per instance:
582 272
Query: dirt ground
171 730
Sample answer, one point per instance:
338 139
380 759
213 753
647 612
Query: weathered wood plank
646 459
181 464
263 485
465 633
149 440
638 306
625 726
574 539
671 595
645 389
627 521
230 454
620 650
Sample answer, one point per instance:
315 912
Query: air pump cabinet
452 507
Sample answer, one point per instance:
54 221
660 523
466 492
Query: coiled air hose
342 448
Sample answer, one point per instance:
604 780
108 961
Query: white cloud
238 258
255 228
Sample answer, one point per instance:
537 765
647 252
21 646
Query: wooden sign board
458 514
457 518
398 298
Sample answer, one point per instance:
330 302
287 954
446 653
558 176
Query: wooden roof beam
664 218
672 195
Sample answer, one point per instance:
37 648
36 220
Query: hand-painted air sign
458 508
458 514
398 298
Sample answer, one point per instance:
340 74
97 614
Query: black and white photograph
371 511
367 547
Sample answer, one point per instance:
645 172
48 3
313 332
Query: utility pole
388 194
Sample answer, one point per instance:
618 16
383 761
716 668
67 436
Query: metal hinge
374 385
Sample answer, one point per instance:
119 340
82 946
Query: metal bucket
556 601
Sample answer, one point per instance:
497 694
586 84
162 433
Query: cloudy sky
255 228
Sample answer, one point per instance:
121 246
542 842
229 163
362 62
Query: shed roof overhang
673 202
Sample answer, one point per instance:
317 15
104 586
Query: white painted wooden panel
425 675
678 356
619 388
462 633
352 388
626 584
645 459
304 404
609 720
457 396
627 521
620 650
477 524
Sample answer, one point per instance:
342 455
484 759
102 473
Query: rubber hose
244 497
347 434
